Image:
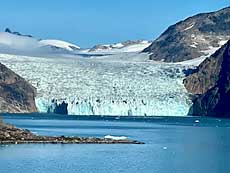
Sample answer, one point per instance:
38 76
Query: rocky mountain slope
16 94
206 74
213 82
126 46
194 37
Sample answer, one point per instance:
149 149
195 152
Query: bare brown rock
215 102
192 37
16 94
206 74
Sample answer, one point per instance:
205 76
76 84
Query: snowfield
59 44
123 84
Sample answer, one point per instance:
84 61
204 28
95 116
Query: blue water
172 145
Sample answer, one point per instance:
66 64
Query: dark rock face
16 94
16 33
206 74
192 37
215 102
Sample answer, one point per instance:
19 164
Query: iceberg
115 137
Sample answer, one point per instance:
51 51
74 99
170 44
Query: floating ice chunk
197 121
115 137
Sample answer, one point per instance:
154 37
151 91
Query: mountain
206 74
16 33
59 44
17 43
127 46
9 41
212 80
16 94
200 35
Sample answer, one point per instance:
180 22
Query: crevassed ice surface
122 84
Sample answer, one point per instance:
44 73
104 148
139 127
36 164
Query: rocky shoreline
12 135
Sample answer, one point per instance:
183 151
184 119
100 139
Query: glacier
123 84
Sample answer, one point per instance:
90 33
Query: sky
90 22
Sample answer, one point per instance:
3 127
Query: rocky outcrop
196 36
16 94
16 33
215 101
118 45
206 74
12 135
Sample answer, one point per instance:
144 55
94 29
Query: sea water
172 144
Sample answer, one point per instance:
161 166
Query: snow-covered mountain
127 46
20 44
59 44
16 43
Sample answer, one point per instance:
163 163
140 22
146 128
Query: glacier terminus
114 84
